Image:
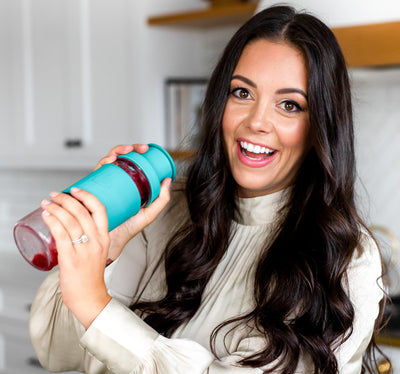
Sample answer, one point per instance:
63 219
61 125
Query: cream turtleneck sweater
118 341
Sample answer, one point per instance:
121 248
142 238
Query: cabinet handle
73 143
384 367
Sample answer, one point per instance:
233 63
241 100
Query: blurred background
80 76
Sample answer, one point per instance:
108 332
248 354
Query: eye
241 93
290 106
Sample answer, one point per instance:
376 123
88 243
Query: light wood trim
234 14
370 45
387 339
181 154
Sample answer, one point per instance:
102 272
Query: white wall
158 53
376 93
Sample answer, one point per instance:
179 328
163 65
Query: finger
76 217
105 160
112 156
121 150
126 148
154 209
96 209
140 148
70 224
113 153
58 232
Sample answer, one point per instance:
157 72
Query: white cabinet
18 284
64 73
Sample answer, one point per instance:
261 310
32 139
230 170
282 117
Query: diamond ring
82 239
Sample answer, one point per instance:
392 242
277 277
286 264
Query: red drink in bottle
123 187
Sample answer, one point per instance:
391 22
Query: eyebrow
291 90
245 80
280 91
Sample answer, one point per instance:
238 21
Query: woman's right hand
123 233
121 150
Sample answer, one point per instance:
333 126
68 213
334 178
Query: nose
261 118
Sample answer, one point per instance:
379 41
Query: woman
267 266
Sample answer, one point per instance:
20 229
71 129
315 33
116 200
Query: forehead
275 61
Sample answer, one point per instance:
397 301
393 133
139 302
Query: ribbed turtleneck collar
260 210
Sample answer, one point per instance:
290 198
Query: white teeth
255 148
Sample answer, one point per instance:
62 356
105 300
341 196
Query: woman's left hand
81 265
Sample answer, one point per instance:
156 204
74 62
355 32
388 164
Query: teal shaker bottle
123 187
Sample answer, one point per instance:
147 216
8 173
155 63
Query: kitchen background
79 76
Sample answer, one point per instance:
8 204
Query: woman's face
266 120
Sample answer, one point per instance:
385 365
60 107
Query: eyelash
298 108
237 90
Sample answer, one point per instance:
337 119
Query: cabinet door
18 285
64 100
11 95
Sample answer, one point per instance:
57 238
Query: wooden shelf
234 14
181 154
387 338
363 46
370 45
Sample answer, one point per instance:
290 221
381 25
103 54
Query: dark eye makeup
291 106
288 105
240 92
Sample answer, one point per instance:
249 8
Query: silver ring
82 239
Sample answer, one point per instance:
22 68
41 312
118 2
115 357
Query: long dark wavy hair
300 300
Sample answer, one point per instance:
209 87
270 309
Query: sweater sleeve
118 342
55 332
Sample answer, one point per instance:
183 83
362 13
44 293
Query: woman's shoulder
178 186
367 254
178 194
175 213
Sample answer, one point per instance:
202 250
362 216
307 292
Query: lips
255 155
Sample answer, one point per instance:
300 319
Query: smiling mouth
255 152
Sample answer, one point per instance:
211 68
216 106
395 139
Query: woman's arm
82 264
117 341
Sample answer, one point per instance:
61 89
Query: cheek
228 126
295 137
227 135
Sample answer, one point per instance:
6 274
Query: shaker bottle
123 187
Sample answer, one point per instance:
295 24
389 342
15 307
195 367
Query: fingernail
45 202
75 189
54 194
46 213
